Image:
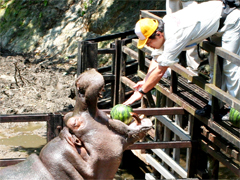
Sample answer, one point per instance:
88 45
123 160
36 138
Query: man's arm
153 76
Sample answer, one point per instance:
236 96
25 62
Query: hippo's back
30 169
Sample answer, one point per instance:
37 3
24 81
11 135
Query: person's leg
193 60
173 6
231 72
231 42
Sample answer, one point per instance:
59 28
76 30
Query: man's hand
135 97
138 85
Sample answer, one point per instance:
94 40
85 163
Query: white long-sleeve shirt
190 25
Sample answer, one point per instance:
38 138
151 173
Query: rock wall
53 27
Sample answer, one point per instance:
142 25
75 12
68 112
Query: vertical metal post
87 56
122 72
54 125
112 45
118 44
217 81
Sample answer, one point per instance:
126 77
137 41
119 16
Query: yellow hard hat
144 29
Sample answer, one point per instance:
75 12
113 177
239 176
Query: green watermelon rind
234 117
125 116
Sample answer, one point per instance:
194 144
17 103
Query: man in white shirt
179 30
192 57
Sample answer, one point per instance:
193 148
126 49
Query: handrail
210 88
112 36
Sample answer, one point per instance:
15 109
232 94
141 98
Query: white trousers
192 57
230 40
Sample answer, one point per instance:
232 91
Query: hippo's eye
81 91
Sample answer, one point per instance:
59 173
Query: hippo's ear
76 141
67 116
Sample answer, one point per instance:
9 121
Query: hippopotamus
91 144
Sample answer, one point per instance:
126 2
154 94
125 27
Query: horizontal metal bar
112 36
161 145
106 51
25 117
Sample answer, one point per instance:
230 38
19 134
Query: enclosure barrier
219 142
181 144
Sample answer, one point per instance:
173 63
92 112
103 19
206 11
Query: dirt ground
31 84
34 85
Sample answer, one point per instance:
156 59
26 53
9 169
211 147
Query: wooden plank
9 162
23 118
220 157
108 77
221 52
223 96
122 72
225 146
112 36
212 124
134 54
159 111
127 82
170 162
188 75
160 145
162 170
224 132
149 176
176 151
174 127
106 51
159 13
105 69
148 14
54 126
155 111
118 44
140 155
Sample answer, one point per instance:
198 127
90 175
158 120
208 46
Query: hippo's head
89 86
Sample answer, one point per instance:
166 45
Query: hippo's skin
103 140
62 151
90 147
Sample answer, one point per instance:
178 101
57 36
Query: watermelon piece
122 113
234 117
